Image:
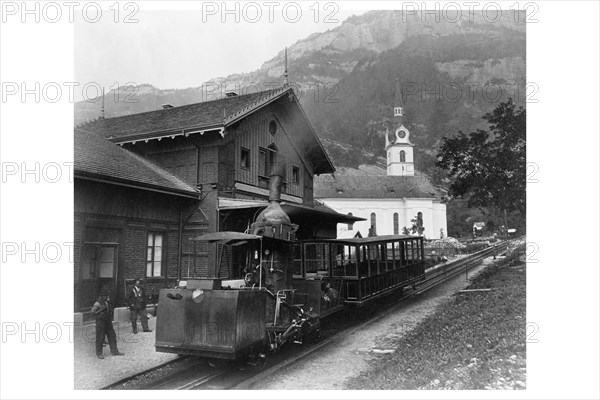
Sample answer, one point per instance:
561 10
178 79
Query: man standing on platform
137 306
103 312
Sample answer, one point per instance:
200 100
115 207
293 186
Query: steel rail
196 383
138 374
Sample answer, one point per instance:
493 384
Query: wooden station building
147 183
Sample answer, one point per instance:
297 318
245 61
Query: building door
98 269
99 265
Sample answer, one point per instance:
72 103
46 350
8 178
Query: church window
373 231
402 156
420 227
351 224
396 227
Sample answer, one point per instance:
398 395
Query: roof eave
173 133
137 185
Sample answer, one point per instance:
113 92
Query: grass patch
474 341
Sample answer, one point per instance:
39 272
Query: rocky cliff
345 77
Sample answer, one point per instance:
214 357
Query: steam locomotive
288 286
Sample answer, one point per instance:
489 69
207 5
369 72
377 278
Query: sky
180 49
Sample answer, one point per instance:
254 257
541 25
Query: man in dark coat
103 312
137 306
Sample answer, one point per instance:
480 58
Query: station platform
91 373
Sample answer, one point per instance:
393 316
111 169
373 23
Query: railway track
189 380
443 272
202 376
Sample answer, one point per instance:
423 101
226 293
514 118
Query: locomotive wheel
261 361
313 337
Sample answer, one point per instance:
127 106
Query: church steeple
400 155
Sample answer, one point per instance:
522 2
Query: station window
295 175
263 162
245 158
154 254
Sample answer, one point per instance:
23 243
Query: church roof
97 158
374 187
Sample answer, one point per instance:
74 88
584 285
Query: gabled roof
373 187
214 115
165 122
99 159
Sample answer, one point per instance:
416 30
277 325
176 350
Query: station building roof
198 118
98 159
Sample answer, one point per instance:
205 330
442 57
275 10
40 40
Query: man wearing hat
137 306
103 312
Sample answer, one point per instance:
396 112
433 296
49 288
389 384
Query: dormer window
397 111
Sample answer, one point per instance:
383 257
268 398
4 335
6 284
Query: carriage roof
370 240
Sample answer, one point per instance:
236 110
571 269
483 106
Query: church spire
398 109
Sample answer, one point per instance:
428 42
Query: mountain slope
345 78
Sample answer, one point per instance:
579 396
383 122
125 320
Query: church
403 198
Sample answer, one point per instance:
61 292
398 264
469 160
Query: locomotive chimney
276 178
273 221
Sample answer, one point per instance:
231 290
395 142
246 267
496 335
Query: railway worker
330 295
103 312
137 306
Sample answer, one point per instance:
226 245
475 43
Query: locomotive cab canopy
264 266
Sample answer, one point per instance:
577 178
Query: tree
416 227
488 167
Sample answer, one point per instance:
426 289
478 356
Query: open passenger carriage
362 269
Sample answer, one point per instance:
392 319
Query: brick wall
152 212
